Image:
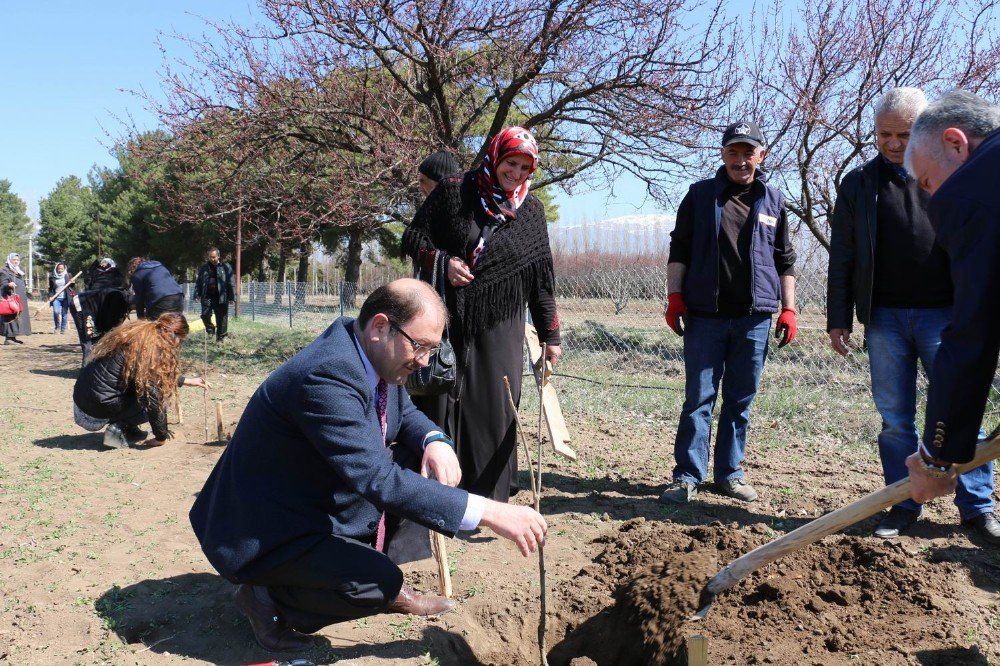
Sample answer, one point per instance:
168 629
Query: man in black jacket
885 264
953 154
214 287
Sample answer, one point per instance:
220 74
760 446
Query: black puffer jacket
100 392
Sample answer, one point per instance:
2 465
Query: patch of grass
111 607
401 629
250 347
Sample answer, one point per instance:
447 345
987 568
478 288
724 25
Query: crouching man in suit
295 511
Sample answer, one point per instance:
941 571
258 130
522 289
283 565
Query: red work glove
786 327
675 310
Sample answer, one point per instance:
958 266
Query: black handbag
441 372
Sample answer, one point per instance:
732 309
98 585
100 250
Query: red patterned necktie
381 407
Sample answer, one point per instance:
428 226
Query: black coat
852 248
12 326
224 280
965 213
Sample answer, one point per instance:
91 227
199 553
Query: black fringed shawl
516 259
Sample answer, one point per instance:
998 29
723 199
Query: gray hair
960 109
907 102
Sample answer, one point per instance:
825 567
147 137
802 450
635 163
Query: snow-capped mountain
627 233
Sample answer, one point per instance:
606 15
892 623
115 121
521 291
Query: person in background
12 281
731 267
103 305
885 264
485 234
131 377
60 304
953 153
214 288
154 289
434 168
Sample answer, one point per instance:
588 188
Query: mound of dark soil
841 599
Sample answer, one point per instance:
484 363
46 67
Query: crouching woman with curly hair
130 378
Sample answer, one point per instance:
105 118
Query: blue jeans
897 338
60 312
733 351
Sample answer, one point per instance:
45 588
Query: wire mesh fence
619 357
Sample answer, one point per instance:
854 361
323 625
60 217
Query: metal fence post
252 313
288 294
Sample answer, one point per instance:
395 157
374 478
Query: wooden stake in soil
697 649
441 556
219 428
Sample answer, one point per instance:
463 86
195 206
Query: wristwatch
938 469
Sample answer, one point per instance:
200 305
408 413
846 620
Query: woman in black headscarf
486 234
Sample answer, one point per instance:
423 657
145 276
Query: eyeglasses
418 348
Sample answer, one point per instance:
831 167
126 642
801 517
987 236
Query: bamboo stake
204 393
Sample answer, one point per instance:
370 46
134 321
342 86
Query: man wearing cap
886 265
731 267
437 166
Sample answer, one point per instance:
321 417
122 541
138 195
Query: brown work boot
411 602
269 628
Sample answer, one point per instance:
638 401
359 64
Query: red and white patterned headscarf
498 204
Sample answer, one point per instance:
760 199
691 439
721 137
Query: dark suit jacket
965 213
852 248
308 460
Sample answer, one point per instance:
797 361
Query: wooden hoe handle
832 522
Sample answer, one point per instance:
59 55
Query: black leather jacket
852 248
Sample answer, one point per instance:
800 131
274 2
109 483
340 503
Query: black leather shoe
269 628
411 602
897 521
985 525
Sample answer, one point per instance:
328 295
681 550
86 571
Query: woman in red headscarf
485 234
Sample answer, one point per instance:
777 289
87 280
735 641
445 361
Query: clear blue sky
67 67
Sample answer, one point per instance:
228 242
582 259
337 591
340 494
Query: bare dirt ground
98 563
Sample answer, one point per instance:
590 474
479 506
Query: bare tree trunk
302 274
280 275
352 267
262 269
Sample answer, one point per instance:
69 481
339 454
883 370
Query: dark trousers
132 414
342 579
174 303
339 579
210 306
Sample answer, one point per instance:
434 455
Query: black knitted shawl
515 260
